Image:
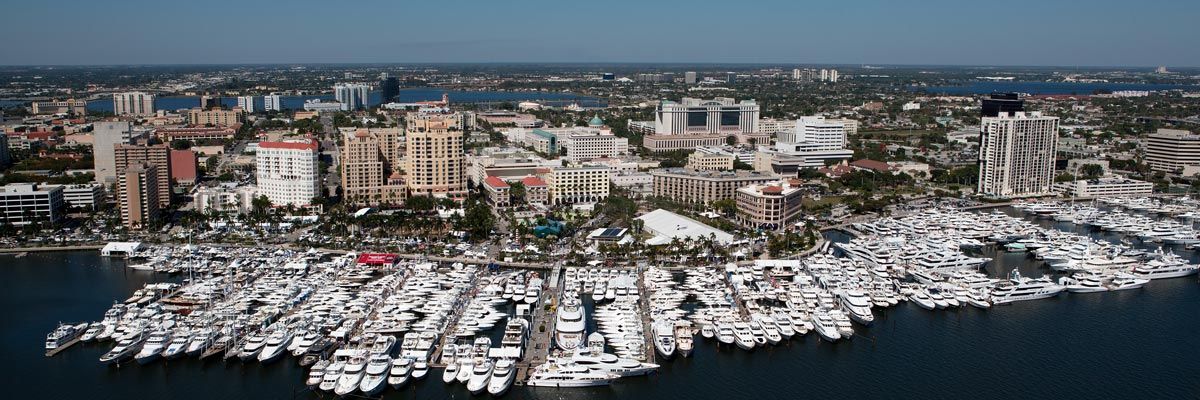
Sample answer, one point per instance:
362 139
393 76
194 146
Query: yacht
1168 266
743 336
275 345
826 326
978 299
375 379
664 339
420 369
201 341
63 335
858 305
154 346
560 376
125 349
480 374
399 372
254 345
922 299
598 361
1083 283
91 332
356 368
725 333
333 374
570 324
1123 281
316 374
451 371
178 346
1020 288
684 339
502 378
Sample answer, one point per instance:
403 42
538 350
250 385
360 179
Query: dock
59 349
647 323
538 346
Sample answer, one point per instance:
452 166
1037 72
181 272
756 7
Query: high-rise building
998 103
210 102
833 75
730 78
389 89
106 135
288 172
68 106
246 103
690 77
137 192
271 103
138 104
1016 154
352 96
703 187
1170 150
370 171
157 156
769 206
5 154
701 122
824 75
435 160
579 184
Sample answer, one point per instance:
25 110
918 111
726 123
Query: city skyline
1104 34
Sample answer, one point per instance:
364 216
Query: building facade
704 161
106 135
215 116
578 184
136 104
137 194
352 96
158 156
1104 187
435 162
288 173
700 122
26 203
225 199
1016 154
770 206
810 142
271 103
246 103
703 187
1170 150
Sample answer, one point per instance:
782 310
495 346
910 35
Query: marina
303 318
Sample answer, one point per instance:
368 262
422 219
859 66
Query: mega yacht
567 375
333 374
502 378
254 344
125 349
1084 283
375 379
684 339
178 346
570 325
63 335
598 361
1020 288
480 375
826 326
1123 281
275 345
316 374
420 368
356 368
664 339
743 336
154 346
399 372
1166 267
858 305
921 297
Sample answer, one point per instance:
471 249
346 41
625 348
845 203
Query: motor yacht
352 375
570 375
400 370
154 347
125 349
254 344
316 374
481 373
502 377
570 324
275 346
1020 288
375 378
743 336
664 339
857 305
333 374
63 335
1123 281
825 326
1084 283
420 369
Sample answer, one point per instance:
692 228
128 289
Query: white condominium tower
271 103
138 104
1016 154
353 96
288 172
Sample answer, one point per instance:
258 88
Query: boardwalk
541 330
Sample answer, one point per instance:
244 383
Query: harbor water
1128 344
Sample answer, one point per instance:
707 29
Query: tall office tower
435 160
1172 150
689 77
1016 154
246 103
137 193
106 135
833 75
271 103
353 96
998 103
158 156
288 172
389 89
730 77
138 104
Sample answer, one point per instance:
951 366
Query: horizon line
672 63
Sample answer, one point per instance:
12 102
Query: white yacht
178 346
254 344
502 378
598 361
480 375
664 339
399 372
333 374
420 368
684 339
743 335
858 305
63 335
375 379
316 374
1020 288
356 368
154 346
451 371
565 376
725 333
1084 283
1166 267
826 326
275 345
570 325
1123 281
921 297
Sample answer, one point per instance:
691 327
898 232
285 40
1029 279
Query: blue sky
962 32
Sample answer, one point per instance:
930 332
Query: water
1132 344
406 96
985 87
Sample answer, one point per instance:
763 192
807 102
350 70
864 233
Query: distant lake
985 87
406 96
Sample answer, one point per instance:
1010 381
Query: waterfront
1035 88
406 96
1119 344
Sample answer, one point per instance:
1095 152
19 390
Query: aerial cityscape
616 207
